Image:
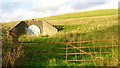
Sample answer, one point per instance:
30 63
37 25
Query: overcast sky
11 10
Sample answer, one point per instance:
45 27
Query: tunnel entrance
33 30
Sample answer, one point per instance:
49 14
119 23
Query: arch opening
33 30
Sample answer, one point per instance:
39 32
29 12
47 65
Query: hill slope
85 14
92 25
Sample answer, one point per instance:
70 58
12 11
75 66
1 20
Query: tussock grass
93 25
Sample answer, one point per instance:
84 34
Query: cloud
108 5
22 14
44 5
28 9
19 10
65 9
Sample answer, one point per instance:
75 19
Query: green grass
74 29
84 14
92 25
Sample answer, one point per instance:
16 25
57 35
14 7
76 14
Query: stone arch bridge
20 28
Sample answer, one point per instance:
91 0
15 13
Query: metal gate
98 52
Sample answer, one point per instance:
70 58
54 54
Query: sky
12 10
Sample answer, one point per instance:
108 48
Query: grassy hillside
84 14
91 25
72 16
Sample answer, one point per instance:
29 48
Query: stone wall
45 27
48 29
37 23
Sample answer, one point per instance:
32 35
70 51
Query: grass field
91 25
84 14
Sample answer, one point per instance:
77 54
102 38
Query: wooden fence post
67 53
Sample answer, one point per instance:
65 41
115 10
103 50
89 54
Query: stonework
48 29
19 29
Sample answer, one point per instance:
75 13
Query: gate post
67 53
